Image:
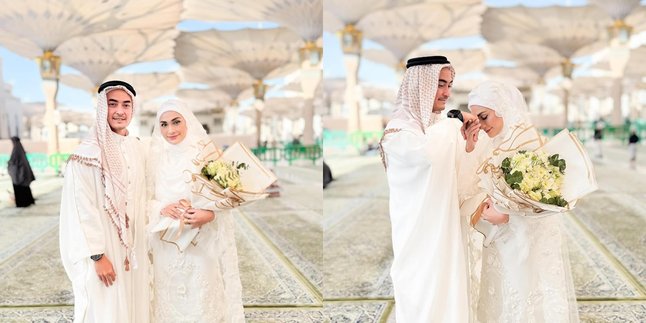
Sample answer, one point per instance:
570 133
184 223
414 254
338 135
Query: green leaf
557 200
506 165
556 162
514 179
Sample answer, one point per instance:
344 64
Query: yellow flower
536 196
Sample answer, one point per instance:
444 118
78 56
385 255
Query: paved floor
279 245
607 242
289 267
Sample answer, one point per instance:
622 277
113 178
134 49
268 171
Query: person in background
21 174
599 125
327 175
633 139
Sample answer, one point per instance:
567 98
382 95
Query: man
422 152
102 221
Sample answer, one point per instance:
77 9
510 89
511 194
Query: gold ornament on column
567 67
620 32
351 38
50 65
259 89
310 54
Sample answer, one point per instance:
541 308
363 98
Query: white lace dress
201 284
526 274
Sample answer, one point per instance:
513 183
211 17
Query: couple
441 272
114 192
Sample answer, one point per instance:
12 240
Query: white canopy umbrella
231 81
401 30
259 52
555 27
33 28
304 17
99 55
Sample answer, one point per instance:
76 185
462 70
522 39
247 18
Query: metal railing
289 153
39 162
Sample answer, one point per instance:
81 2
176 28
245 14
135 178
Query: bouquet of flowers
225 180
530 176
537 175
234 178
225 174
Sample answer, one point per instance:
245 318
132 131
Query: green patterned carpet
606 240
278 240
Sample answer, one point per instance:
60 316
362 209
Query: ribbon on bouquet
175 231
223 198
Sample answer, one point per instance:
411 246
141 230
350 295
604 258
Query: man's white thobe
429 269
86 229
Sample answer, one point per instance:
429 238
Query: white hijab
505 100
173 163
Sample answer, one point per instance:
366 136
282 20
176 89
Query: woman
202 282
633 139
526 275
21 174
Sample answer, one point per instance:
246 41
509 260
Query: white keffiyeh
110 164
416 94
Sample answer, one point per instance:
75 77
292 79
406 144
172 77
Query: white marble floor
606 241
279 246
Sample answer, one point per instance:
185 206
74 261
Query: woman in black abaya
21 174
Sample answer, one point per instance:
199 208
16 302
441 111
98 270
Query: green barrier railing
289 153
39 161
55 161
4 159
313 153
357 139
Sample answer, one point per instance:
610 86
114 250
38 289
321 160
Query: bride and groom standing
114 193
441 271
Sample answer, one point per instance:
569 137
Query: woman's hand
490 214
466 119
176 210
173 210
198 217
470 130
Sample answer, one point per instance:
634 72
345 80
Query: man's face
119 111
443 90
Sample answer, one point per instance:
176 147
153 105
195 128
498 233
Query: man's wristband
455 114
96 257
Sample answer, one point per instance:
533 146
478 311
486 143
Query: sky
23 74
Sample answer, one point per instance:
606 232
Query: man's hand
490 214
198 217
105 271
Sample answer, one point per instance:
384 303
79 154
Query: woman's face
489 122
173 127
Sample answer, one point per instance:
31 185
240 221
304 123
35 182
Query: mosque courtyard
278 240
606 239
